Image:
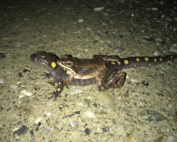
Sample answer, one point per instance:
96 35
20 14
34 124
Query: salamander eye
39 59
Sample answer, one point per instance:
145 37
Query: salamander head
44 60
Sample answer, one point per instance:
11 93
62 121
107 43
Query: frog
92 68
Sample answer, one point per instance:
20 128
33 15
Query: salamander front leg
58 91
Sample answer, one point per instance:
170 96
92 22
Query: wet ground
143 110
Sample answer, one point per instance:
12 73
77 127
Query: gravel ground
143 110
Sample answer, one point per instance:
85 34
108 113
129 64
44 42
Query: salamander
99 66
48 61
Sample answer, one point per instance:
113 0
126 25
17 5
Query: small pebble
21 131
1 81
38 120
25 92
88 29
25 70
154 9
68 8
45 129
72 123
80 20
25 19
21 96
105 129
98 8
163 16
156 53
13 86
48 114
87 131
90 114
173 49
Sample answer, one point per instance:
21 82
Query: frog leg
68 80
106 57
101 79
117 80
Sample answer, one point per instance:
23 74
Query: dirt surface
143 110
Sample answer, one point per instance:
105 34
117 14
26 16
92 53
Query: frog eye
69 64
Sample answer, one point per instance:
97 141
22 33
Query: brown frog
90 68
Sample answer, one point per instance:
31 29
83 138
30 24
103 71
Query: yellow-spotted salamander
49 62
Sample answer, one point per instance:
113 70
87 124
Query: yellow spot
155 60
113 63
64 69
58 89
126 62
53 64
119 63
68 72
146 59
171 57
59 82
160 59
137 59
134 65
43 56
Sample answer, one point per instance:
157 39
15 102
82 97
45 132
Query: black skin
44 60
